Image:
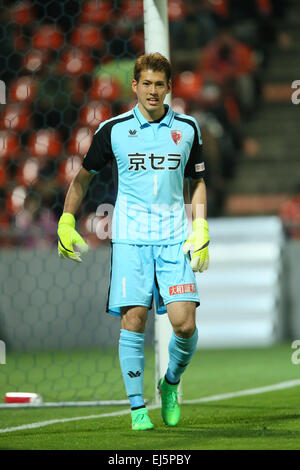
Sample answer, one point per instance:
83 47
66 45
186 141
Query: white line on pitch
251 391
224 396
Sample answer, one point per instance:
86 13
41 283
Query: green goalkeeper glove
198 242
68 237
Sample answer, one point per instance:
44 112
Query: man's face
151 90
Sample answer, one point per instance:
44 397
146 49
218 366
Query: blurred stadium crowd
67 66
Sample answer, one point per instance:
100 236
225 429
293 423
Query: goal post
156 30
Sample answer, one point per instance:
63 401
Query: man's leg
184 338
182 346
131 355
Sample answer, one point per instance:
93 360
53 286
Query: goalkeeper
153 259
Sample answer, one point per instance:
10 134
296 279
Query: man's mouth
153 100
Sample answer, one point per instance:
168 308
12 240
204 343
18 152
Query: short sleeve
100 151
195 167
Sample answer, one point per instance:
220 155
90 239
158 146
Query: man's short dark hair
154 61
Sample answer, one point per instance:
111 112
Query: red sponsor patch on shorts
182 289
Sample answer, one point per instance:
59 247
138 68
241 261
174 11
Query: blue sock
181 351
132 362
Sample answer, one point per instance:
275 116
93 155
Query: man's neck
161 118
153 117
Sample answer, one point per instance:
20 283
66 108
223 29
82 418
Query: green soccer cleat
170 410
140 420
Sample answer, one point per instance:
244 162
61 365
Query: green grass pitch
265 421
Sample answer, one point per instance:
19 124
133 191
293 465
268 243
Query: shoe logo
132 374
132 133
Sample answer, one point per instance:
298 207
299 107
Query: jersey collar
166 121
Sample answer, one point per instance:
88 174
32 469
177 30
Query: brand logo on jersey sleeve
199 167
176 136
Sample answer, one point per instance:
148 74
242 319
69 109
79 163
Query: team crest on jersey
176 136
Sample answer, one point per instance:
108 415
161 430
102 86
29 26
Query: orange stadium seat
80 141
9 145
87 36
133 10
20 42
68 169
176 10
23 89
96 12
48 36
28 172
15 116
45 143
128 105
3 176
94 113
78 89
34 60
137 42
105 88
187 85
15 199
22 13
76 62
179 105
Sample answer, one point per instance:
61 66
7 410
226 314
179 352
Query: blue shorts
141 274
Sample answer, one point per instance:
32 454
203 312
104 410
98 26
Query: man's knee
134 318
185 329
183 318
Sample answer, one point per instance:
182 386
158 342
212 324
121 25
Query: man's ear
169 87
134 85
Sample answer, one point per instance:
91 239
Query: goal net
65 67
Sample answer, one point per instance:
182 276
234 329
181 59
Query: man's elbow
197 182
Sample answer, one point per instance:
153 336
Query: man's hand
68 237
198 242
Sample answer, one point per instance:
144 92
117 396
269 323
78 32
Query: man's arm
199 203
77 190
198 241
68 239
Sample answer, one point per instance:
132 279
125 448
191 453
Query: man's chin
153 109
153 105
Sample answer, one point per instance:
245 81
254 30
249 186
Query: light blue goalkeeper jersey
152 160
